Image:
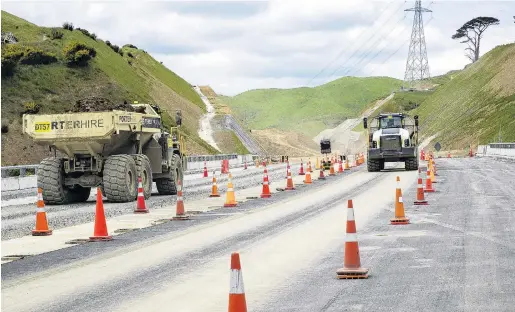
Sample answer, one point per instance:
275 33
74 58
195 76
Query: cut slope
56 87
473 106
309 110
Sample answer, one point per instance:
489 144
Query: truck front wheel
120 179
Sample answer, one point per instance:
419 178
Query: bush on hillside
68 26
129 54
78 54
93 36
108 43
31 108
130 46
120 52
56 34
115 48
5 129
12 54
38 57
8 67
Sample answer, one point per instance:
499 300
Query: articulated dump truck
109 150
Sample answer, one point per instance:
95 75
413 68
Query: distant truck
392 137
107 149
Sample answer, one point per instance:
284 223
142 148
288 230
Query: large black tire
411 164
145 172
168 186
50 179
120 179
373 165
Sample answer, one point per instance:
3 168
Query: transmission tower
417 65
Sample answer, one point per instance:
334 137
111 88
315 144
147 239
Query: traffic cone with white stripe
100 231
179 212
230 200
352 263
41 228
420 191
308 180
289 181
140 206
301 171
340 167
400 218
322 176
429 185
214 188
237 302
265 193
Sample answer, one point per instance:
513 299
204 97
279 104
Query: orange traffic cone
266 188
230 200
308 178
309 166
301 171
399 206
214 188
140 206
205 170
352 263
340 167
420 191
448 154
179 212
237 302
434 170
289 181
41 228
322 176
429 184
331 169
347 163
100 231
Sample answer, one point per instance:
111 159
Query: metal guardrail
22 170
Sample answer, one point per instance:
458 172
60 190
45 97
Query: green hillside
469 106
309 110
37 77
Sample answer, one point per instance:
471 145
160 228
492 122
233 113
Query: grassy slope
309 110
56 87
470 107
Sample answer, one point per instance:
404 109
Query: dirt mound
99 104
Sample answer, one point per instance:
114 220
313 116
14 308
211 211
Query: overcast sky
235 46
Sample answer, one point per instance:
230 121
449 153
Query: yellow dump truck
107 149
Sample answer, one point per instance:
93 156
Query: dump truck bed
90 132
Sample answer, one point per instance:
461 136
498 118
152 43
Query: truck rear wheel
145 172
50 179
168 186
120 179
411 164
374 165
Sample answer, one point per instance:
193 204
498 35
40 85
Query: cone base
323 178
302 173
41 232
290 189
345 273
180 218
266 195
421 202
332 174
396 221
231 205
214 195
100 238
145 210
429 191
308 182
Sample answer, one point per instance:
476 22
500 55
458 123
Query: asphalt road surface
458 253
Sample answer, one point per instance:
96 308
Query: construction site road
18 219
456 255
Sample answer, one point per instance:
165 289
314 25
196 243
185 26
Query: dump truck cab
393 137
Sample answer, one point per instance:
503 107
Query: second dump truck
393 137
109 150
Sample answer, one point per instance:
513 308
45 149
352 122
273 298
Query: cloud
235 46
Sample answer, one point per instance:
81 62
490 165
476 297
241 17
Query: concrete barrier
213 162
504 150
